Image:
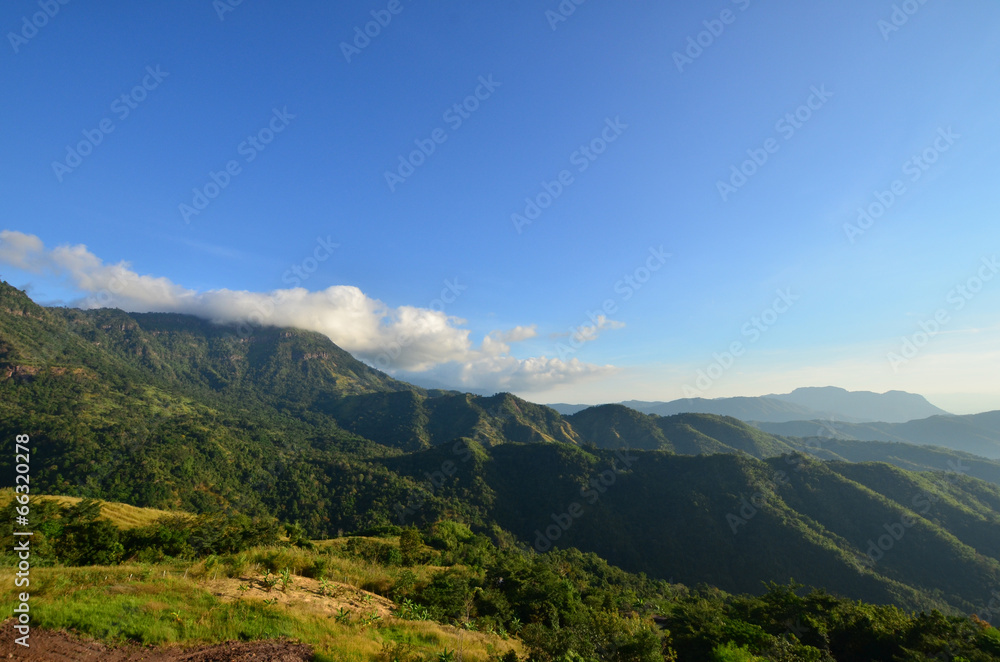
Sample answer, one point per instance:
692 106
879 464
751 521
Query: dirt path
51 646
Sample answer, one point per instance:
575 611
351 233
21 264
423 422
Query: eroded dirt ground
64 647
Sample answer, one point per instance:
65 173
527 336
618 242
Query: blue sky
432 280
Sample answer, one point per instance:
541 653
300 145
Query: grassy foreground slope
336 595
180 604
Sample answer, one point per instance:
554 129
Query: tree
88 540
410 544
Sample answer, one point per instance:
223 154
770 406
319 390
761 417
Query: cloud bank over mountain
405 340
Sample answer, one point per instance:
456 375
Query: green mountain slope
617 426
973 433
902 455
735 522
734 435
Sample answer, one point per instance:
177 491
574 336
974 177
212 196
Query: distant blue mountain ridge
810 403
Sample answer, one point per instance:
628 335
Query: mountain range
978 434
175 412
811 403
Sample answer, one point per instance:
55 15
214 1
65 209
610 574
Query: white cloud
506 373
520 333
402 340
24 251
590 332
497 342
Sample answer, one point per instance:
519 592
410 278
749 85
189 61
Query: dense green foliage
785 624
568 605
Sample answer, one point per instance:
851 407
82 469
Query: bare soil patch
66 647
303 593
